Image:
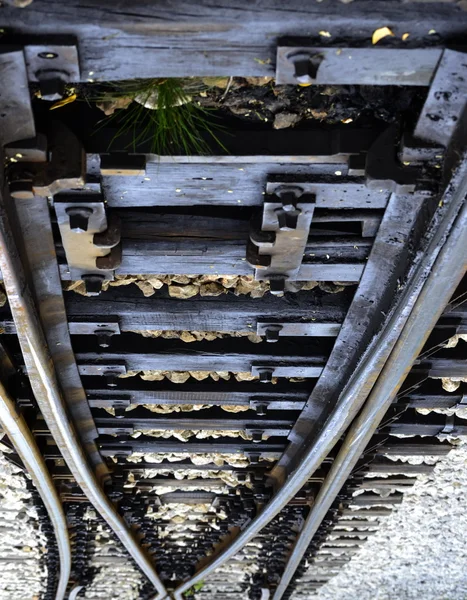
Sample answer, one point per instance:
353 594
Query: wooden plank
137 391
357 66
415 447
197 37
270 448
291 366
186 464
421 400
222 313
210 419
345 262
229 354
168 184
387 466
165 224
412 423
115 426
376 500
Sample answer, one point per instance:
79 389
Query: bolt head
265 375
93 284
277 286
52 89
21 190
104 337
261 410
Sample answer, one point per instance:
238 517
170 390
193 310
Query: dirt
258 99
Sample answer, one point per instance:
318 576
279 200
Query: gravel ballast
22 545
419 551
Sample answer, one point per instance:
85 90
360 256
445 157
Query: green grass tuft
173 124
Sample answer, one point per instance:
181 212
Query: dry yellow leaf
63 102
324 34
379 34
405 36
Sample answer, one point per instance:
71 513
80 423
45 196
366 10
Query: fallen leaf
405 36
108 107
263 62
349 120
379 34
324 34
60 103
432 31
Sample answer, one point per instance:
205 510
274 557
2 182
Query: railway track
220 371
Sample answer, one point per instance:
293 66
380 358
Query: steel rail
359 386
75 591
47 391
19 434
441 282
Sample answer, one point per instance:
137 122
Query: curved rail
441 283
46 388
75 591
18 432
357 390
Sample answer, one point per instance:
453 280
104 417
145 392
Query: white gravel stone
115 574
22 545
419 551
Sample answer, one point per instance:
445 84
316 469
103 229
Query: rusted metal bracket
52 66
276 249
383 168
90 239
45 167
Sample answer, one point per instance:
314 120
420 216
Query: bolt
265 375
277 286
22 189
272 333
51 84
119 411
93 283
79 218
111 378
426 188
103 337
254 459
261 410
257 437
306 67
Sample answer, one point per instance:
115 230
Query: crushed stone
22 545
418 551
187 286
198 336
183 376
